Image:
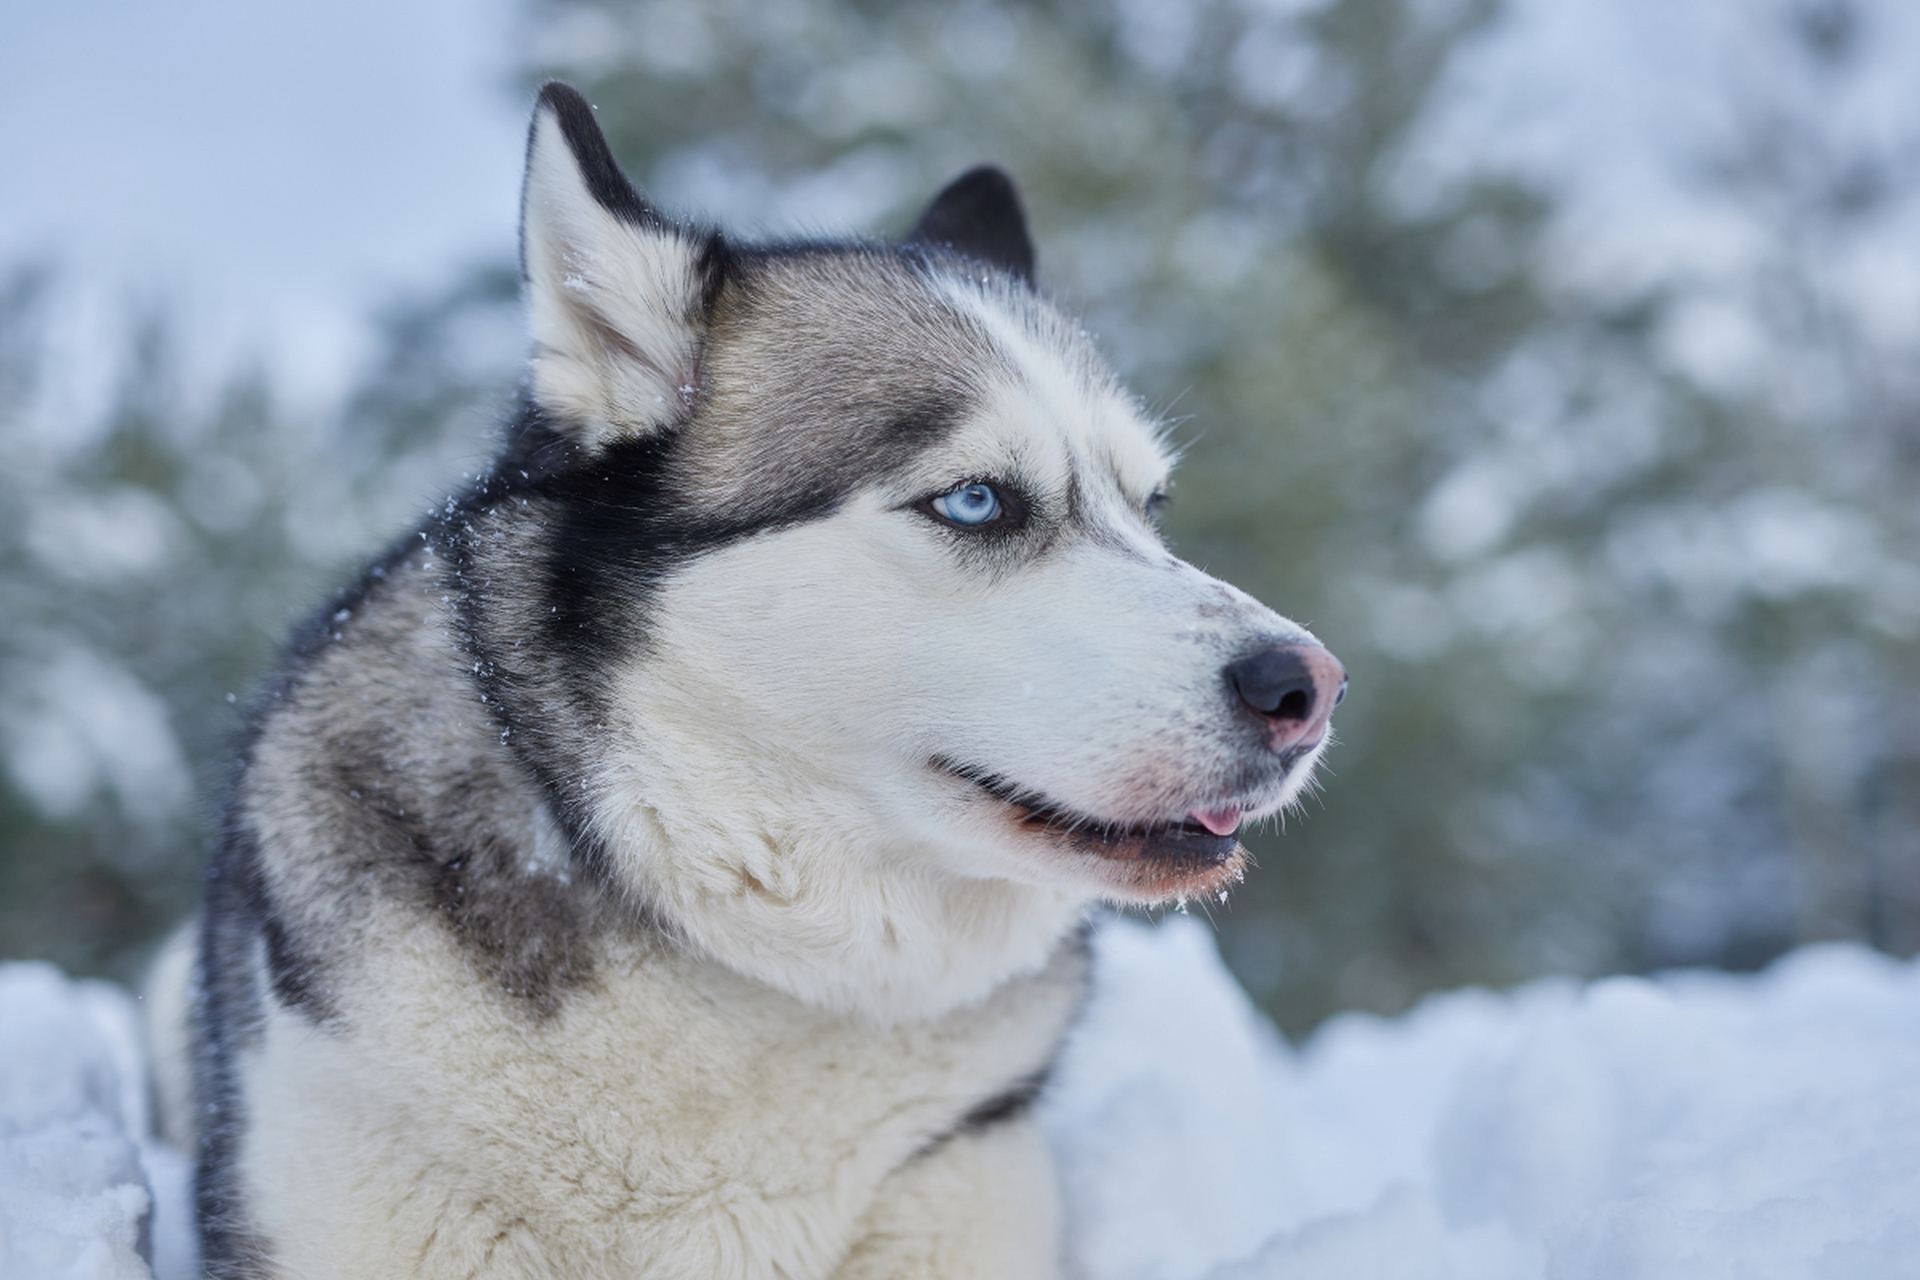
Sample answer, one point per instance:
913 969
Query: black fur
624 523
1017 1100
605 182
1009 1105
610 188
531 934
978 216
623 528
609 528
227 1015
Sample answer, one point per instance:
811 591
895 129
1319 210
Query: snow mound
78 1175
1690 1126
1693 1126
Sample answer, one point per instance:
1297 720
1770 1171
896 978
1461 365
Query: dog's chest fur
670 1112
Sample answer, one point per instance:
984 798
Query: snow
85 1193
1693 1125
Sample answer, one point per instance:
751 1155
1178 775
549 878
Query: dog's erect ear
978 214
616 294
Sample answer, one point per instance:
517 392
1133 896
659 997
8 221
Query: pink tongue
1222 822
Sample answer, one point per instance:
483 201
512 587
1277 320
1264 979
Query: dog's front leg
982 1205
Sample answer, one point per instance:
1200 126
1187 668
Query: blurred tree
150 564
1494 495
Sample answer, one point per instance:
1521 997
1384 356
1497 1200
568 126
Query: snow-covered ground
86 1193
1693 1126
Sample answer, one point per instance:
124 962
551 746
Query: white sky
271 169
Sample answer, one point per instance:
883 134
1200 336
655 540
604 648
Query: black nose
1293 688
1274 682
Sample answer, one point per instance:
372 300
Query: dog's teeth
1222 822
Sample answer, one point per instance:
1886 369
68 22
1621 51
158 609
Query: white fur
608 302
677 1121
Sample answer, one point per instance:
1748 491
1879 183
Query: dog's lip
1206 833
1299 751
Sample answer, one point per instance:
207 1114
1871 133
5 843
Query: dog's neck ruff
841 921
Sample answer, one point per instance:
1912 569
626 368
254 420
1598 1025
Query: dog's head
848 551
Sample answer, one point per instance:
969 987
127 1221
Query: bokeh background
1553 359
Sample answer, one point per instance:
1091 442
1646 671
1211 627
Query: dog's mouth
1157 860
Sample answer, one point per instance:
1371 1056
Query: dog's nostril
1277 683
1293 688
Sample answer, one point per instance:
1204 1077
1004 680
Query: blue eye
970 504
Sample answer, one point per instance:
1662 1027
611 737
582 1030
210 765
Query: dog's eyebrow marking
1113 540
926 417
1083 515
1075 500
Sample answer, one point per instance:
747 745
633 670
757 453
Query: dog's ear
617 294
978 215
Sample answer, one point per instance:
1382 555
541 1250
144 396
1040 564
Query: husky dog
672 858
